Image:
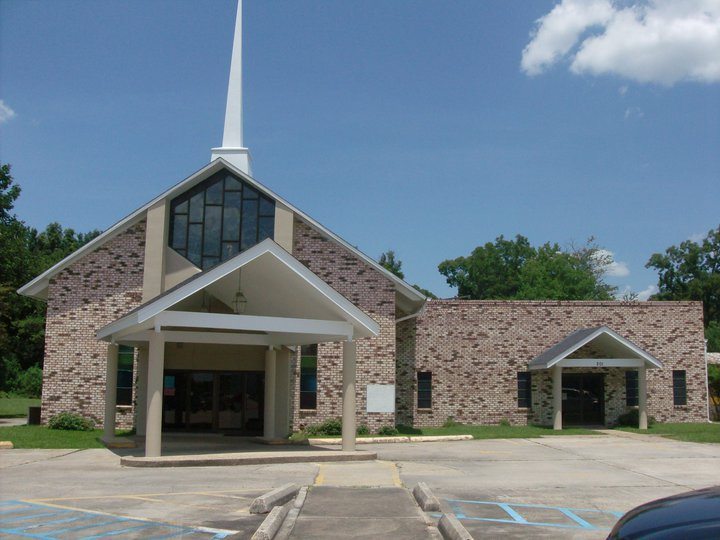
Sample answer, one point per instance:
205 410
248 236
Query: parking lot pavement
93 482
19 519
554 487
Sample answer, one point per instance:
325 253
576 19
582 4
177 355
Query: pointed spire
232 148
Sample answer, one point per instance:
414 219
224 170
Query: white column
282 393
141 392
153 419
270 380
642 398
557 396
348 400
110 392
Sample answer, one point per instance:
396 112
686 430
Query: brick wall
373 293
475 349
92 292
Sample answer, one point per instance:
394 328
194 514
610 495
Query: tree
691 271
25 253
513 269
388 261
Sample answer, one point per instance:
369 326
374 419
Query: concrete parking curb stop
291 518
401 439
451 529
425 499
272 523
277 497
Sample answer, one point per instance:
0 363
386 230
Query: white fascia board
255 323
34 287
654 362
153 308
408 289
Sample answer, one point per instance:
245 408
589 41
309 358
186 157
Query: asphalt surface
551 487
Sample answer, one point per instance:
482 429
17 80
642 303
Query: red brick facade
94 291
475 349
372 292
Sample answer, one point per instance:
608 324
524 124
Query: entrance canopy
286 304
594 347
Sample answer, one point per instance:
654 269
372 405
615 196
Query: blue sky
415 126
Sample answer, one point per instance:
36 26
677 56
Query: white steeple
232 148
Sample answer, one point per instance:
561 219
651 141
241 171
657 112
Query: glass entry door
583 398
214 401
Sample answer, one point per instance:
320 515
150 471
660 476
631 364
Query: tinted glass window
524 389
631 388
126 355
424 393
219 218
679 387
308 377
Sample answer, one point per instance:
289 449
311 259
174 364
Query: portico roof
287 304
603 348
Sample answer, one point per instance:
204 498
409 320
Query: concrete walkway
360 500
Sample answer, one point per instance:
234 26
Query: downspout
707 382
408 317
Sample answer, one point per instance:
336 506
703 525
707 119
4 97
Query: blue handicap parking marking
47 522
517 513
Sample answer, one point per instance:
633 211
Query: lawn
42 437
480 432
16 407
700 432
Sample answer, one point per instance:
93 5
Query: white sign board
381 398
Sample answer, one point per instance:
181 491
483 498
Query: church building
219 306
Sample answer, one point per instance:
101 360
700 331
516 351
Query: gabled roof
37 288
583 336
267 268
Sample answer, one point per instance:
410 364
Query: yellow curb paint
320 478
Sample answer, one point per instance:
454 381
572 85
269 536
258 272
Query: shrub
450 422
632 418
71 422
328 427
505 422
29 382
362 430
388 430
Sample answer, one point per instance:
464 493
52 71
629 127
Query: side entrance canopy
262 296
598 347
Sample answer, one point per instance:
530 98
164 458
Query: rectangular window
524 390
632 389
308 377
125 375
679 387
424 392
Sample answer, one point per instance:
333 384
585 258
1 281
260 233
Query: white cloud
647 292
651 41
623 90
633 112
612 268
6 113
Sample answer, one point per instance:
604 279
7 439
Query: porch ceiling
286 305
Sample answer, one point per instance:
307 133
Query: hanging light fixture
240 302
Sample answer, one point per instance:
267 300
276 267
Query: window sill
307 411
123 407
424 410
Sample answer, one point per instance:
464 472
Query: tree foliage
388 261
514 269
25 253
691 271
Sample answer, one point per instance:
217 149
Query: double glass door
583 398
214 401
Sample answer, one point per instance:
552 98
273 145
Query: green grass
16 407
700 432
42 437
496 431
478 432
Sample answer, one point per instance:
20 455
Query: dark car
695 514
